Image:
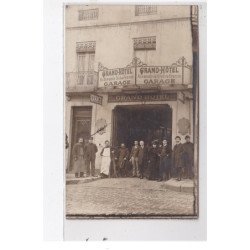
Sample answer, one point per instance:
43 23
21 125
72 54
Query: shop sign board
138 73
96 99
119 77
142 97
162 75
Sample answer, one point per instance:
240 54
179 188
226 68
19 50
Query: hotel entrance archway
141 122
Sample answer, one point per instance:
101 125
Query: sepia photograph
125 117
131 111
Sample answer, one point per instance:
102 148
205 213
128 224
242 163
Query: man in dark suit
153 162
90 151
78 153
165 161
188 157
123 156
142 159
114 162
177 158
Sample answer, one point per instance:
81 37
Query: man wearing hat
188 157
122 157
165 161
90 150
177 158
142 159
153 161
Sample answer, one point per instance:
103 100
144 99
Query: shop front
138 102
125 118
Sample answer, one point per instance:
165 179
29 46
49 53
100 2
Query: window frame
146 12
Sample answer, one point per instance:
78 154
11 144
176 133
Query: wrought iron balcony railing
78 80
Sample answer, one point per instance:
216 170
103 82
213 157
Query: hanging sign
96 99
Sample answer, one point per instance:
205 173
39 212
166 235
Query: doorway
81 127
141 122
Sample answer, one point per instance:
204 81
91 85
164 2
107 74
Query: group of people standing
84 158
158 162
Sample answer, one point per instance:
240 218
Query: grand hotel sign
141 74
116 77
142 97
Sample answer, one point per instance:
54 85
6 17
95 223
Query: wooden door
81 126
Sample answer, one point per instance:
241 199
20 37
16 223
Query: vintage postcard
131 111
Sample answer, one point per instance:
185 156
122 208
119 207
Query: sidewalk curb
178 187
169 185
81 180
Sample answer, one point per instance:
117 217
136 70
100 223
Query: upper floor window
88 14
145 43
85 62
141 10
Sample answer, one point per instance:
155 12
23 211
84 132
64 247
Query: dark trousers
141 169
180 171
190 172
91 162
188 166
153 170
122 169
165 167
113 169
122 172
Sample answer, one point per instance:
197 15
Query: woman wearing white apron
105 162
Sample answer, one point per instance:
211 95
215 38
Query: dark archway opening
141 122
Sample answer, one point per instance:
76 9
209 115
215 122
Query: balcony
77 82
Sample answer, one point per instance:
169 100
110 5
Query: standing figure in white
106 160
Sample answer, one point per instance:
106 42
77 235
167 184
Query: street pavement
126 196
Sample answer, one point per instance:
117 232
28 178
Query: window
142 10
145 43
88 14
85 66
144 49
85 62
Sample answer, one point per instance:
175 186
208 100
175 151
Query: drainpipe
195 47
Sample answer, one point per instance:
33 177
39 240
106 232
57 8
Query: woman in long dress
106 160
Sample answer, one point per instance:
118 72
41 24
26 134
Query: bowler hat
155 142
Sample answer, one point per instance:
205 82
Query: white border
167 229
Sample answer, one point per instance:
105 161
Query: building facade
128 74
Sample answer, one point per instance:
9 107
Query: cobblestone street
126 196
